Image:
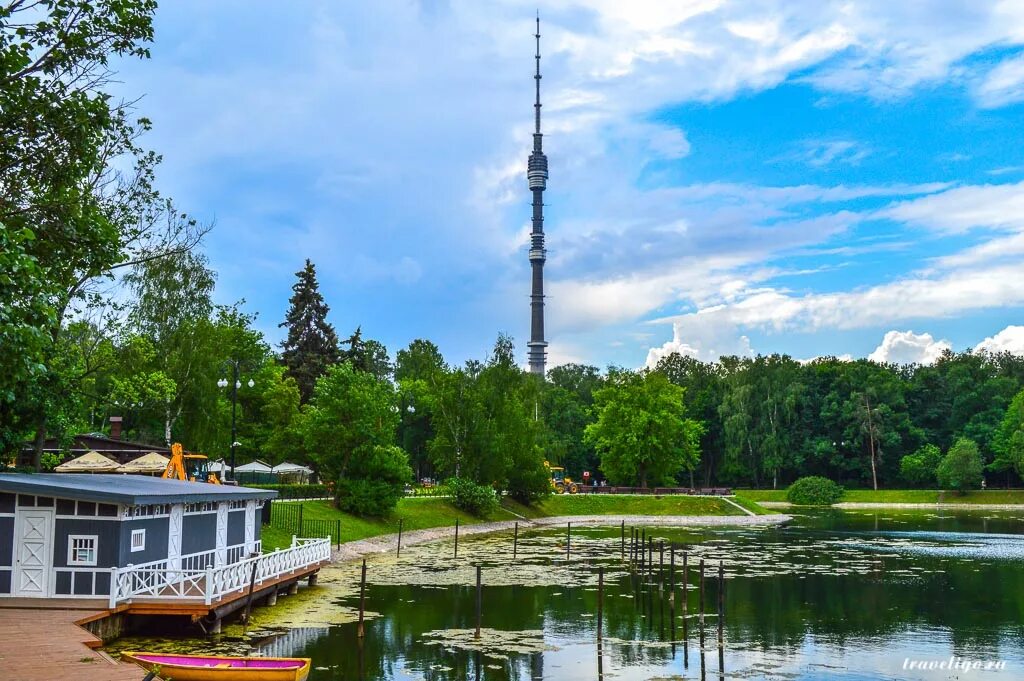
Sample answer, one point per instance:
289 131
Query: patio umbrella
90 462
147 463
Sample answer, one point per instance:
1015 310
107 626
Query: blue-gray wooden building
67 535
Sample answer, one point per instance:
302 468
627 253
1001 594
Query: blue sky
840 178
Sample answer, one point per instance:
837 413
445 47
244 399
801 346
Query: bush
529 480
920 467
480 500
961 469
814 490
374 482
297 491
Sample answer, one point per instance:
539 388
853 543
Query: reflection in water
828 597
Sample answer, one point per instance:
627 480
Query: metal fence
290 517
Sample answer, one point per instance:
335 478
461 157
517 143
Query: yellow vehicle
189 467
560 482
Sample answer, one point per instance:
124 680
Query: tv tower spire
537 175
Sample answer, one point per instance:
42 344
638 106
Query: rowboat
222 668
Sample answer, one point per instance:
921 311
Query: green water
834 595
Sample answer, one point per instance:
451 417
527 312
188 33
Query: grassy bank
425 513
900 496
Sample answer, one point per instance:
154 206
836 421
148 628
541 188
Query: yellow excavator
560 482
191 467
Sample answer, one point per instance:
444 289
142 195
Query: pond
833 595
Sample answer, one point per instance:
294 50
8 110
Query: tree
350 431
961 467
641 431
565 404
70 215
312 344
415 368
1009 440
704 393
920 467
173 304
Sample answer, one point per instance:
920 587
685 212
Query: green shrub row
297 491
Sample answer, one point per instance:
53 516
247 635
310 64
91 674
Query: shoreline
854 505
389 542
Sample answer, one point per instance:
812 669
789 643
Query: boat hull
222 668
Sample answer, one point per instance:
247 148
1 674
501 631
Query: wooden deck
42 639
44 643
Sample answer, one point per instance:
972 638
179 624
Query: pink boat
222 668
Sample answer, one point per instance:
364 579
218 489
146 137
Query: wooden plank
42 644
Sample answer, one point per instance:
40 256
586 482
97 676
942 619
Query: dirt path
389 542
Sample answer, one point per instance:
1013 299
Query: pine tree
312 344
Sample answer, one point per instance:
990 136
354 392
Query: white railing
161 581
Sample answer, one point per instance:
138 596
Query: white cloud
821 153
1003 85
996 206
907 347
1010 339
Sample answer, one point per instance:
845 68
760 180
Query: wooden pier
56 639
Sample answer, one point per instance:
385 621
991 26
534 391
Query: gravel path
389 542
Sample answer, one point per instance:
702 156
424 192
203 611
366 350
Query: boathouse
67 535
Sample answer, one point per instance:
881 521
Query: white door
34 552
174 536
222 534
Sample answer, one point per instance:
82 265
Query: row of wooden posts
640 562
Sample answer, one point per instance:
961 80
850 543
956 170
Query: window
82 549
138 540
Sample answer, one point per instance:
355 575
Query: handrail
212 583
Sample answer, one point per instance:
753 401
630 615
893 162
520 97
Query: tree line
106 308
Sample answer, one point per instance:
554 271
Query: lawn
633 504
423 513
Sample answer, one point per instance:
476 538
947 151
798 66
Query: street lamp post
235 385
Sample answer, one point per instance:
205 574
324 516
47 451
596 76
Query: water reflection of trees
976 601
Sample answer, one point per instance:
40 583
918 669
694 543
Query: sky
813 178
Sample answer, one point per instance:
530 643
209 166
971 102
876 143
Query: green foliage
1009 439
641 431
920 467
961 468
312 344
480 500
297 491
374 482
350 414
814 490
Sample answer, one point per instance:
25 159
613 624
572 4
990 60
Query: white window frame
71 549
141 532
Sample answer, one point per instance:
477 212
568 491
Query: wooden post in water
568 539
650 560
600 599
700 587
479 600
686 586
456 537
622 548
252 586
721 603
672 574
642 549
515 541
360 631
399 551
661 565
